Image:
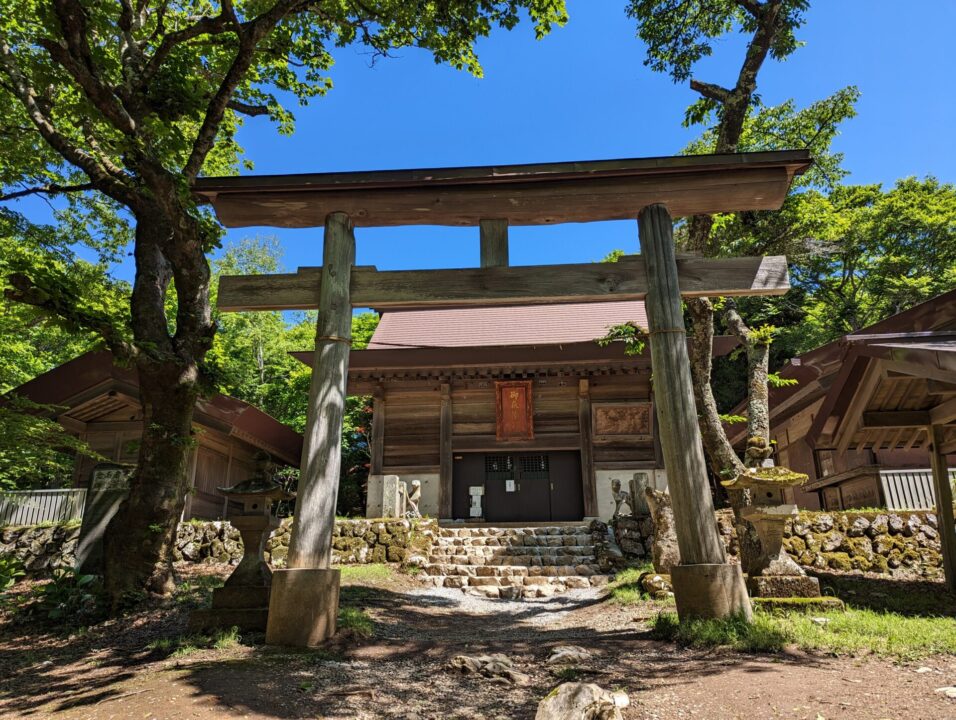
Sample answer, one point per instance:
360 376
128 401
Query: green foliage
870 253
613 256
630 333
10 570
35 451
358 621
764 634
784 127
69 599
855 631
679 33
625 588
32 341
774 380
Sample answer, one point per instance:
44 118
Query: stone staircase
514 562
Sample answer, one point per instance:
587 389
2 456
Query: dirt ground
123 669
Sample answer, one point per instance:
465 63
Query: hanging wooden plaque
514 410
623 421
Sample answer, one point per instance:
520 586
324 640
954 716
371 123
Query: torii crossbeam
304 597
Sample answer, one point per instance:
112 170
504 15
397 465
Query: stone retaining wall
363 541
353 541
41 549
902 545
897 544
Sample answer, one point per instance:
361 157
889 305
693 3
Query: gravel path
403 672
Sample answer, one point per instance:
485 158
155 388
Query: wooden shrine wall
413 429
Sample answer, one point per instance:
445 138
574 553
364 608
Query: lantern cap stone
763 477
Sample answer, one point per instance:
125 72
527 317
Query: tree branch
751 6
247 109
22 289
101 179
250 34
50 189
77 59
709 90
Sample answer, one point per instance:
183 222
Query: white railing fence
33 507
910 489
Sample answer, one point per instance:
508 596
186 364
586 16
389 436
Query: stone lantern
773 573
243 601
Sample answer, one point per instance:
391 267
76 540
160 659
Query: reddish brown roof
503 325
94 375
821 371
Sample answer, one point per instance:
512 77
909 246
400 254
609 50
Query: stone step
516 540
512 551
472 532
513 588
513 560
511 571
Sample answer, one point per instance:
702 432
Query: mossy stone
795 545
378 554
396 553
879 564
838 561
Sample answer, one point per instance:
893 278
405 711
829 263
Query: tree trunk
140 537
723 460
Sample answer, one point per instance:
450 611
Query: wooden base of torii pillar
304 601
705 584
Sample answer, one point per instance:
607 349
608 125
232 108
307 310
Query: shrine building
514 411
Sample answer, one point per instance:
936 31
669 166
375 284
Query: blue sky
583 93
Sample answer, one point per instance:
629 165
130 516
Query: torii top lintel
536 194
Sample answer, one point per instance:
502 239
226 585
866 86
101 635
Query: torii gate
304 598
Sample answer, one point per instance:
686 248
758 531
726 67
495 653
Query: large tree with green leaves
679 33
117 107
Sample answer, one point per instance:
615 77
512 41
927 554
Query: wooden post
311 543
494 243
588 479
188 506
378 431
704 585
445 459
944 506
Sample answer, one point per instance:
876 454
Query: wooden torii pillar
705 584
304 597
304 602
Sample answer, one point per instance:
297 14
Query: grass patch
882 633
358 621
188 644
762 635
852 632
373 572
625 589
197 590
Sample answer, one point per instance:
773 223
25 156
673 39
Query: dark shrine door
520 487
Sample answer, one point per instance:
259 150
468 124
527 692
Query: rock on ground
581 701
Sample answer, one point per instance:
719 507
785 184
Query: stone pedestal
303 607
774 574
243 601
710 591
783 586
